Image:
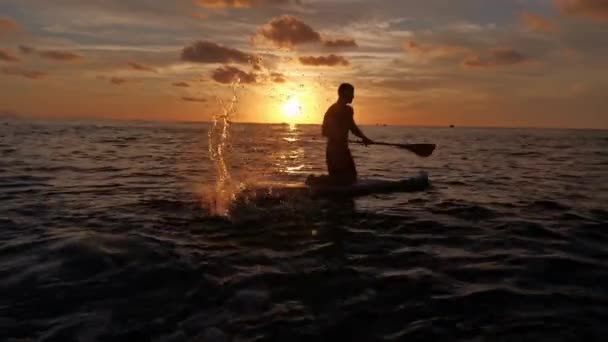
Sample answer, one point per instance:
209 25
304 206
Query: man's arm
356 131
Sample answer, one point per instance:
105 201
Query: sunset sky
432 62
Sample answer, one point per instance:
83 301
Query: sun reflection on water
290 159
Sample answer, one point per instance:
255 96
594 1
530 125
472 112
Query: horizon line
454 126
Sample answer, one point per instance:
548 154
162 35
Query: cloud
405 83
8 25
55 55
181 84
6 56
229 74
570 53
200 16
219 4
140 67
62 56
340 43
537 23
498 57
594 9
193 99
288 31
433 51
9 114
117 80
30 74
277 77
331 60
210 52
26 50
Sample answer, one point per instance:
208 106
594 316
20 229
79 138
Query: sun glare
292 108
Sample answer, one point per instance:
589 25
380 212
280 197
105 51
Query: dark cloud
26 50
210 52
537 23
117 80
141 67
288 31
594 9
55 55
498 57
62 56
181 84
30 74
229 74
340 43
331 60
7 56
8 25
193 99
241 3
277 77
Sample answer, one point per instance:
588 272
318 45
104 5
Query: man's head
346 91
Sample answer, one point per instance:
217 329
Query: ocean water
117 231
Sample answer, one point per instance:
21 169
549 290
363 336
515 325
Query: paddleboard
270 191
370 186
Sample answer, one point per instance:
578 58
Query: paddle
421 150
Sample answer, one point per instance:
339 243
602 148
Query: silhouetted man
338 121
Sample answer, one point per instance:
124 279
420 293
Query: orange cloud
55 55
331 60
411 84
537 23
340 43
433 51
277 77
140 67
30 74
288 31
229 74
181 84
117 80
498 57
194 99
209 52
594 9
8 25
8 57
220 4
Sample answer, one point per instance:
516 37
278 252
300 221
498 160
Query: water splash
222 194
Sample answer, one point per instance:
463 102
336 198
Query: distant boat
452 126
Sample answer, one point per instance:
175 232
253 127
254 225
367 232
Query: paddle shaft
394 145
423 150
387 144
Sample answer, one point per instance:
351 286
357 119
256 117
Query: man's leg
341 166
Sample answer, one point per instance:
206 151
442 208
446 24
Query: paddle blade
422 150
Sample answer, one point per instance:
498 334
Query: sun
292 108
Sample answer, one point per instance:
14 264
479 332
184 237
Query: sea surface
122 231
